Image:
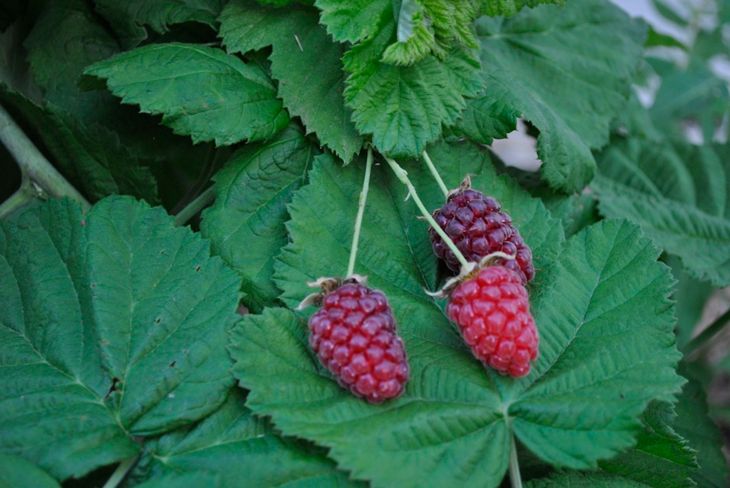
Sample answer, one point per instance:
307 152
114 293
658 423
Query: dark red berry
354 336
478 227
492 311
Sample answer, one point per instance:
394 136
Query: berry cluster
354 336
478 227
354 333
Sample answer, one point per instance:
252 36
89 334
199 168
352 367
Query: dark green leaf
130 17
112 327
678 194
200 91
16 472
695 425
539 63
584 480
246 224
237 448
306 63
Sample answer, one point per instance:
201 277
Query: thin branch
121 471
710 331
33 164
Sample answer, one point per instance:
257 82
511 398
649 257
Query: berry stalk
402 175
435 173
360 212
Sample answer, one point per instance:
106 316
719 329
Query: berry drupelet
354 336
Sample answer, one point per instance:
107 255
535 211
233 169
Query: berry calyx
354 336
479 227
492 311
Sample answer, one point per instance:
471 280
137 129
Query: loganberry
492 311
478 227
354 336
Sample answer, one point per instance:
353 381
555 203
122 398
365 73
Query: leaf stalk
710 331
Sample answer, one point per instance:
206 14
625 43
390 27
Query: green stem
698 342
192 208
33 164
514 465
402 175
360 212
435 173
119 473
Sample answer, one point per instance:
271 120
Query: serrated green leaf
678 194
90 156
17 472
661 457
604 320
130 17
511 7
112 327
487 118
583 480
352 21
234 445
694 424
200 91
405 107
306 63
539 63
246 223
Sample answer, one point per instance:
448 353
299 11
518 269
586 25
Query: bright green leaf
487 118
200 91
237 448
540 64
305 61
112 327
16 472
405 107
352 21
605 324
130 17
678 194
246 223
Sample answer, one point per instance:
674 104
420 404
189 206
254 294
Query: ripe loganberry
478 227
492 311
354 336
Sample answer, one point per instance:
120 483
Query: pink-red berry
478 227
492 311
354 336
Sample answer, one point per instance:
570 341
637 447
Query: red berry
492 311
354 336
478 227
